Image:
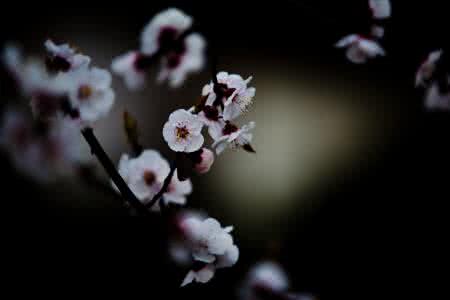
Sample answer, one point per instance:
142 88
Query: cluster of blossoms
204 245
64 86
65 94
223 100
167 38
268 280
359 48
434 77
40 151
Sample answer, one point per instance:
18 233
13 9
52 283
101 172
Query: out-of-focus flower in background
44 153
168 38
360 49
381 9
205 245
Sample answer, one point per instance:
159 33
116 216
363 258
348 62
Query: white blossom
201 276
126 67
182 132
236 96
381 9
427 68
165 27
64 58
233 136
211 116
178 64
144 174
176 191
210 244
90 93
435 100
360 49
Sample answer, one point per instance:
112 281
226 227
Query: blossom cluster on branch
67 95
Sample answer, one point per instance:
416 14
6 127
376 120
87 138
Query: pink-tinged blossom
90 94
166 38
381 9
204 159
233 137
177 65
211 245
436 100
211 116
266 276
63 58
427 68
163 29
128 67
144 174
360 49
232 93
182 132
44 153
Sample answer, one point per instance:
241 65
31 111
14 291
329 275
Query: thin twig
105 161
166 184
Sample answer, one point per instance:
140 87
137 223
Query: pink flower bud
206 159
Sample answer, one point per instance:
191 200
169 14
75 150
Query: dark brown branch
109 167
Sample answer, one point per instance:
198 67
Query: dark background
373 226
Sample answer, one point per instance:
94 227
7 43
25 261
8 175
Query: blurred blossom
127 66
427 68
90 94
203 161
164 28
267 276
360 49
437 100
208 244
63 58
377 31
45 153
167 38
381 9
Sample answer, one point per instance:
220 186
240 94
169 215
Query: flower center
57 63
223 90
84 92
167 37
182 133
211 113
143 62
229 128
149 177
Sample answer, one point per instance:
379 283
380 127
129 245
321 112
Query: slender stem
105 161
166 184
